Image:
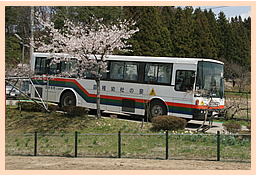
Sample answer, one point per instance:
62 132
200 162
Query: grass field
99 138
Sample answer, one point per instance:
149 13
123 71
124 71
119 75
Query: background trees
164 31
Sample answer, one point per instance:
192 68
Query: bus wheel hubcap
67 101
157 111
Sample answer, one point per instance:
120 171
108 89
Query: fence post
247 107
119 144
166 157
35 146
75 143
218 145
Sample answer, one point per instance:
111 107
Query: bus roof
160 59
146 59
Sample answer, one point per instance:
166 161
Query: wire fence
163 145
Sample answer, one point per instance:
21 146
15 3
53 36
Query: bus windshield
210 80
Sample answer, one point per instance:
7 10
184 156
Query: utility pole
31 36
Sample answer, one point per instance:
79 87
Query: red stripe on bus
95 95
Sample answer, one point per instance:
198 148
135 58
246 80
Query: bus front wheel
68 99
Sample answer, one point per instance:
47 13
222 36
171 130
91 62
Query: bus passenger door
132 98
183 81
124 87
132 93
113 96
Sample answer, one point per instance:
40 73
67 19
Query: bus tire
68 99
156 108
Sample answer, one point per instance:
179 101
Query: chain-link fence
164 145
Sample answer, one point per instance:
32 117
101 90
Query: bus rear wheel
156 108
68 99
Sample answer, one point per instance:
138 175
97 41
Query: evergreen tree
167 21
13 53
168 17
222 33
241 42
12 44
151 39
213 28
182 34
247 26
84 13
164 31
11 14
203 38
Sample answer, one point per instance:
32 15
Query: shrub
75 110
168 123
232 127
33 107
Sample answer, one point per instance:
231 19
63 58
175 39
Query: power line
218 7
208 8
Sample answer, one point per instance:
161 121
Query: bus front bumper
199 114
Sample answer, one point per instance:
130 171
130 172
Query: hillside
29 122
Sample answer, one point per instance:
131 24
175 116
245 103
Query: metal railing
164 145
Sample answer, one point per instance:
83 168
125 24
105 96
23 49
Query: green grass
243 123
237 94
99 137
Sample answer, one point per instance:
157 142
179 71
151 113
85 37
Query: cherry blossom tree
18 71
89 43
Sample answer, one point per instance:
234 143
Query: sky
229 11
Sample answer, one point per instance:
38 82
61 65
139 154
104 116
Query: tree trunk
98 98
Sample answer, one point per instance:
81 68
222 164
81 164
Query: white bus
140 85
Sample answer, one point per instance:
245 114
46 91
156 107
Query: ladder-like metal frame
45 107
204 129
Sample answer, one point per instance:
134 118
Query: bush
75 110
33 107
168 123
232 127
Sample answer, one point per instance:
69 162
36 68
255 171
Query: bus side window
43 66
151 73
117 70
131 71
65 66
184 80
40 65
164 73
158 73
53 69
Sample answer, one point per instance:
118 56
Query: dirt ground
66 163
